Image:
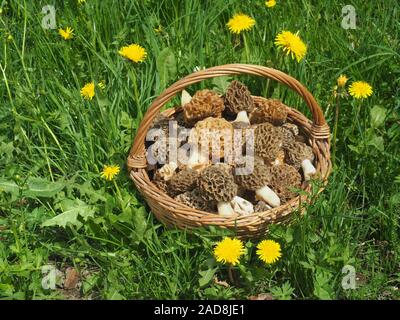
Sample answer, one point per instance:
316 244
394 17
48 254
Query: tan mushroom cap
289 132
238 98
211 132
296 152
270 110
216 183
184 180
194 200
205 103
258 178
283 178
268 141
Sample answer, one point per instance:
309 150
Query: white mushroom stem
242 117
185 98
269 196
225 209
242 206
308 169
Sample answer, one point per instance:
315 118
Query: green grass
53 144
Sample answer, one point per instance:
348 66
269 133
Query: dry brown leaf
262 296
71 278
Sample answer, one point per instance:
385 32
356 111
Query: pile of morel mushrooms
212 181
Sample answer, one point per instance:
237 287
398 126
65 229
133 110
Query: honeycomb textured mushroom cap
270 110
213 131
238 98
184 180
283 178
268 141
217 184
194 200
289 132
258 178
296 152
160 121
205 103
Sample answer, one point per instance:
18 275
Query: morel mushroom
284 178
238 101
289 132
299 154
212 132
217 184
194 200
258 181
270 110
268 141
205 103
184 180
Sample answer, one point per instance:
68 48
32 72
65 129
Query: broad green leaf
220 84
377 142
8 186
35 187
206 276
322 285
140 222
39 187
378 116
71 211
166 66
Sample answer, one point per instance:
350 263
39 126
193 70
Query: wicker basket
173 213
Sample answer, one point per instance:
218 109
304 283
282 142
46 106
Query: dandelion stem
230 274
246 49
335 127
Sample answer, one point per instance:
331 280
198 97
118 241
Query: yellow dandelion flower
270 3
102 84
109 172
240 22
87 91
67 33
133 52
229 251
269 251
341 81
360 90
291 44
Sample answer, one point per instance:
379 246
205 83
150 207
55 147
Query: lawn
59 216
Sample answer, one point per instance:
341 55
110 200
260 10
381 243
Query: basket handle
319 130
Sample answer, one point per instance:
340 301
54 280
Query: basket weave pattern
173 213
